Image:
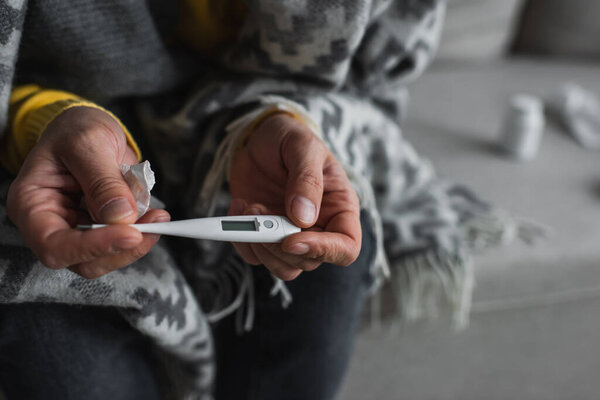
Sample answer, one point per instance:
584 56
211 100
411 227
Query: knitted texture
345 62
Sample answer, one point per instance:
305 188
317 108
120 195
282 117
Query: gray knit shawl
347 62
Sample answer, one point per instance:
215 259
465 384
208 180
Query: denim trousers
56 351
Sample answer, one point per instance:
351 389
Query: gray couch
535 325
535 322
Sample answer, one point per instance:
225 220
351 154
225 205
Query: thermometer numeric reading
240 228
239 225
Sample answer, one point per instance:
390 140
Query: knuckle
346 260
347 257
311 178
355 249
340 253
334 255
322 252
50 260
338 258
100 185
319 256
87 252
355 254
138 252
92 253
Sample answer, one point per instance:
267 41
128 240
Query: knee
60 351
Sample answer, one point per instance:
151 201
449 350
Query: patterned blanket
346 64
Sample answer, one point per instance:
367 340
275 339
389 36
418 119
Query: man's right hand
79 156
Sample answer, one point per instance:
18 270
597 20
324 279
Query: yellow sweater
204 25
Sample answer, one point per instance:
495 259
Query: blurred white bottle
523 127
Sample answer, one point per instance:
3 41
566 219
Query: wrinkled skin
285 169
282 169
80 154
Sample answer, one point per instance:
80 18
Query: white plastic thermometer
241 228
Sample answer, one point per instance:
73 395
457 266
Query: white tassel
279 287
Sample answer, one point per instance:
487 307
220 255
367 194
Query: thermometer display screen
238 225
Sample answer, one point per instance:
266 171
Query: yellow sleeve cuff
32 109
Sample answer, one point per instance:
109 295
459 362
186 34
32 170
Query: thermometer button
268 224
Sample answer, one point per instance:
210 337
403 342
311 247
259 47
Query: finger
243 249
101 266
45 217
303 263
330 247
340 241
38 175
253 209
279 268
304 156
236 207
299 261
57 245
256 209
95 165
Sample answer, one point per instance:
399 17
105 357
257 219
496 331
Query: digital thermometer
241 228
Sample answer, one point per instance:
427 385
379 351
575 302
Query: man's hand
79 155
284 169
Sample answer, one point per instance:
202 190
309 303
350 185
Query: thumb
107 196
304 157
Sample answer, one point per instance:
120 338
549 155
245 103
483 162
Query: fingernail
252 211
303 209
125 243
299 249
115 210
162 218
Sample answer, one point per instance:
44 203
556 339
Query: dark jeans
55 351
51 351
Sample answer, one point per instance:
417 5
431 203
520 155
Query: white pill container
523 127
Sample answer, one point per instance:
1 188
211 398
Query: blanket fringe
498 227
425 285
243 304
430 283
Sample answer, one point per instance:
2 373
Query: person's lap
300 352
72 352
57 351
